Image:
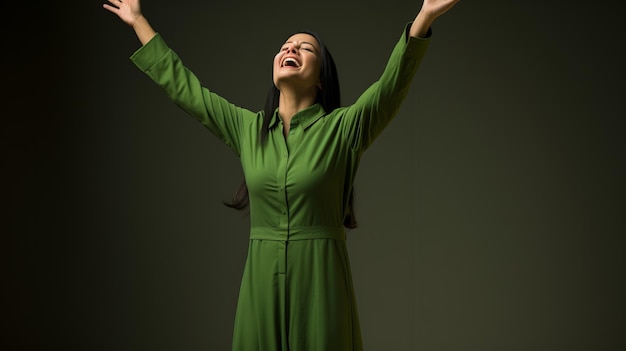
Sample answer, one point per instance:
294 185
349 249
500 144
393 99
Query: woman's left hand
431 9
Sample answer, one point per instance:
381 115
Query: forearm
184 88
379 104
143 29
421 24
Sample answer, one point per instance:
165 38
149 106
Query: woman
299 157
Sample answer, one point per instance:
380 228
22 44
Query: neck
292 102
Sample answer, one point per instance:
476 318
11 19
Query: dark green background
491 210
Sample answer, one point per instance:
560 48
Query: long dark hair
329 97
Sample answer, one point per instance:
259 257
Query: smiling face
297 64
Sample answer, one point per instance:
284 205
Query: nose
291 48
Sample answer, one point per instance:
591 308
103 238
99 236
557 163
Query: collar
305 117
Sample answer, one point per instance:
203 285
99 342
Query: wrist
138 21
425 16
422 23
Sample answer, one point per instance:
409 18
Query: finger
115 2
113 9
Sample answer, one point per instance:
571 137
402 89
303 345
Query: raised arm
431 9
129 11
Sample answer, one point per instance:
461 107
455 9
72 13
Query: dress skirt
297 295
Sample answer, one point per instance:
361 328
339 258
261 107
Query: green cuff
150 53
415 46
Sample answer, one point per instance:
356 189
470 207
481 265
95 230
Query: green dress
296 291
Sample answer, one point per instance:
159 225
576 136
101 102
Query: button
291 132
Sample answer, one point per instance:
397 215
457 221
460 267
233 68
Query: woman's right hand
127 10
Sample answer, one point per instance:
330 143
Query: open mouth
290 62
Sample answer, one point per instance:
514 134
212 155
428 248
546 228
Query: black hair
329 97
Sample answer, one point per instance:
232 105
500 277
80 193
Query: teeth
289 59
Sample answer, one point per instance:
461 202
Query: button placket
282 183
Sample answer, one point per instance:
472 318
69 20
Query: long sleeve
165 68
379 104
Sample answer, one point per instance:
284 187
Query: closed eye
306 48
